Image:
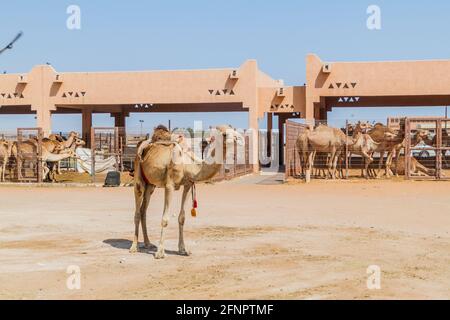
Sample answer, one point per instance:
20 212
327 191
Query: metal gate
428 160
292 159
29 155
238 166
106 148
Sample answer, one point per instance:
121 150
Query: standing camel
5 154
28 150
323 139
162 163
388 141
363 145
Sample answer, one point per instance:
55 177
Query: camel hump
161 133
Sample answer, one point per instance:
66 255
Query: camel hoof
133 249
184 252
160 254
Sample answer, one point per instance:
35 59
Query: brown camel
164 164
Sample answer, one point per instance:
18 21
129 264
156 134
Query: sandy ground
252 239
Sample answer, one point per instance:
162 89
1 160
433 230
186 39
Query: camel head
363 126
423 135
390 136
73 134
79 143
59 148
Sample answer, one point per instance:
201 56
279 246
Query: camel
416 168
388 141
322 139
445 143
76 143
363 145
21 151
5 154
55 158
164 164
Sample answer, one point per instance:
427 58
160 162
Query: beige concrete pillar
87 125
120 122
253 125
44 120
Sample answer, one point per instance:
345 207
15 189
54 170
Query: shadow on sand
125 244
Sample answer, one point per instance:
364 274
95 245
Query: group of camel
331 144
53 150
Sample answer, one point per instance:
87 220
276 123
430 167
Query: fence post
407 149
93 142
39 156
347 155
438 149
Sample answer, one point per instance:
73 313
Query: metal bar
408 153
93 143
39 156
438 149
346 152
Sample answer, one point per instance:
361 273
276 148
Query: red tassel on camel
194 202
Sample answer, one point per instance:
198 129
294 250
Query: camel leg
181 219
149 189
330 164
309 166
380 165
139 190
58 168
160 254
389 172
2 179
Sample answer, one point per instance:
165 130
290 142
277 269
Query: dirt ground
252 239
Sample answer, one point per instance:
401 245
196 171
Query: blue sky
176 34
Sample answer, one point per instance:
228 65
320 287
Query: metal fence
429 159
21 156
239 165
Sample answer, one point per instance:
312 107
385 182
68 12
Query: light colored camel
76 143
364 146
388 141
416 168
28 150
445 143
5 154
322 139
49 157
164 164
